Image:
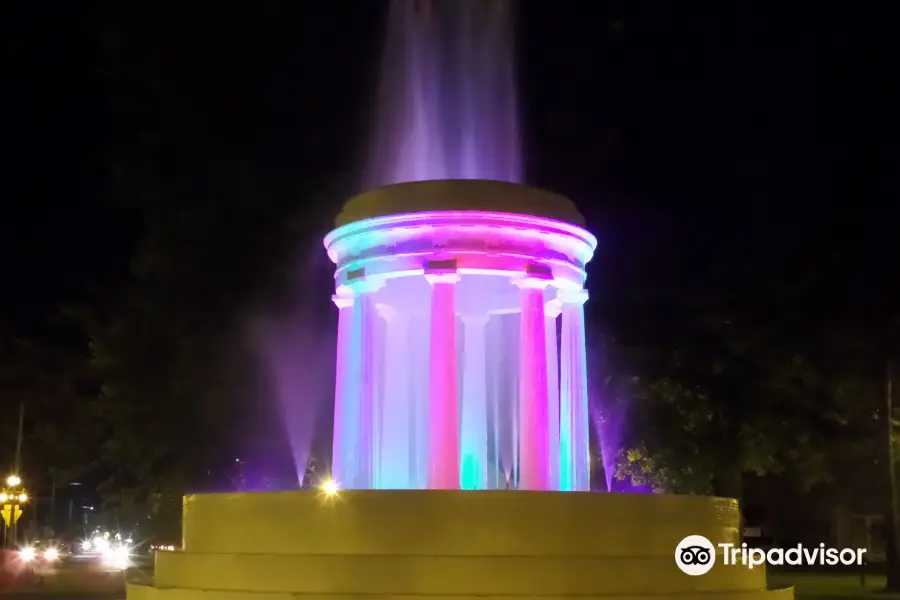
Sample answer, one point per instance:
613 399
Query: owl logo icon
695 555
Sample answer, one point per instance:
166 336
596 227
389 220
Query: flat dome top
458 194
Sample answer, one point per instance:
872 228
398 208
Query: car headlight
27 554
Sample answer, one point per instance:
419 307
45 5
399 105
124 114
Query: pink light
534 467
443 440
482 241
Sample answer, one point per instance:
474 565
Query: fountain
460 464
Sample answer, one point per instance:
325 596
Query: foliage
54 383
183 384
233 212
718 392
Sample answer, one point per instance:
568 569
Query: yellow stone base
491 545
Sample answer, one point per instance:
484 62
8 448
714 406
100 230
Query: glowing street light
12 497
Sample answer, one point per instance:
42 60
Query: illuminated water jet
447 106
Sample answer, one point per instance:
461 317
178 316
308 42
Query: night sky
684 132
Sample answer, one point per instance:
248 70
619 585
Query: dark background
681 131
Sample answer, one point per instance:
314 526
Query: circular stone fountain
461 431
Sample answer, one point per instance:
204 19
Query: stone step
448 575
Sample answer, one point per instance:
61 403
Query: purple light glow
447 101
484 241
608 414
608 419
295 355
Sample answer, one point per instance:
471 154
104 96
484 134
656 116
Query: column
443 412
574 427
534 471
352 450
379 331
345 397
473 439
551 311
364 336
397 412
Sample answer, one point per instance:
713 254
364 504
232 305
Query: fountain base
453 544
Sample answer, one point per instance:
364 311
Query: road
72 580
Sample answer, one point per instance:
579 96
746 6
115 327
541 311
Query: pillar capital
573 296
342 301
434 278
531 283
441 271
475 319
553 308
358 287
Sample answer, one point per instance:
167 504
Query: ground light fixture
330 487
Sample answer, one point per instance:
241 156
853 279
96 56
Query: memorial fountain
460 464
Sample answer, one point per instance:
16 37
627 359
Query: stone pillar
574 419
364 328
396 423
378 340
443 410
534 471
551 311
355 387
473 440
343 449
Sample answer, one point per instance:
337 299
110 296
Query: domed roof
458 194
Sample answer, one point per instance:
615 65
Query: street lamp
11 497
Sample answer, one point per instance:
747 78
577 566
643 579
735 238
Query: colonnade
376 442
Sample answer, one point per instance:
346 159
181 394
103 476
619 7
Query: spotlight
330 487
13 480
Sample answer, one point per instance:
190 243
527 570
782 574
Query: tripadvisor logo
696 555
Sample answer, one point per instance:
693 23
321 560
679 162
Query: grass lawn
808 586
